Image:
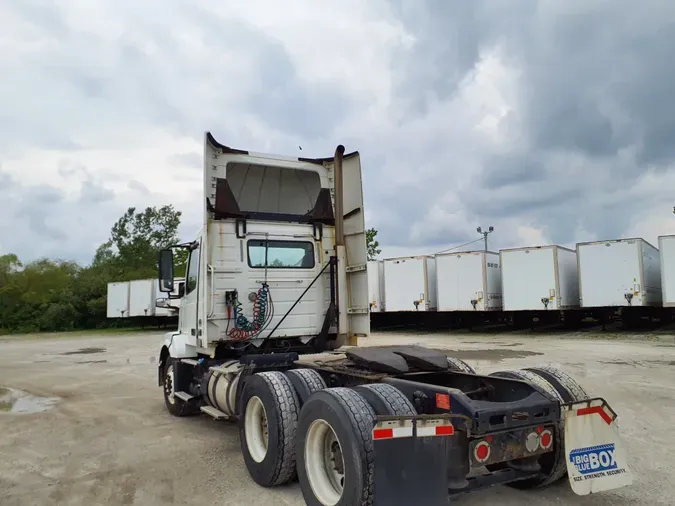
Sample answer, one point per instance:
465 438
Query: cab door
189 323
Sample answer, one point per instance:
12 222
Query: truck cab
274 266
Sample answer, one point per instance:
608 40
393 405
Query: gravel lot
108 440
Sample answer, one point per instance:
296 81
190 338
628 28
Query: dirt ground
107 439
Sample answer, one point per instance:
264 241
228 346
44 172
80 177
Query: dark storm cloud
447 48
593 83
511 169
43 221
283 99
596 79
563 141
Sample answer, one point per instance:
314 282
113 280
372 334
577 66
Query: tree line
56 295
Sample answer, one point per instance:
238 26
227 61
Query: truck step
183 396
189 361
215 413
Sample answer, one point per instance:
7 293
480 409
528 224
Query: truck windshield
280 254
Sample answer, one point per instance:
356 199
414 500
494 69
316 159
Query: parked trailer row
601 274
130 299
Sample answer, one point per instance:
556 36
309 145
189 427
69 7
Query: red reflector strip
437 430
383 433
445 430
595 409
392 433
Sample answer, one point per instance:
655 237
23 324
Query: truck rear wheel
386 399
553 465
457 364
305 382
563 383
335 449
269 418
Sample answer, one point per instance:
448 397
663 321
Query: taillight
540 438
482 451
532 442
546 439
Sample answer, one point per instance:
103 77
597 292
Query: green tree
39 297
371 244
9 264
180 259
54 295
138 237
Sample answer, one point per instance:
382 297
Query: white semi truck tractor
277 285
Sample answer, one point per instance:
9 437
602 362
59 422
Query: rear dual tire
564 388
458 365
267 428
305 382
335 449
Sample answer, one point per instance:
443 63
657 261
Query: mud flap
596 460
411 461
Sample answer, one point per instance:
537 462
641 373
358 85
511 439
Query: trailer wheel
174 405
335 449
386 399
553 464
305 382
457 364
268 423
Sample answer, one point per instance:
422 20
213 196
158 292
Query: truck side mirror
166 270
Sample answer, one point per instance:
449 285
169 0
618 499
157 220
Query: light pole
485 233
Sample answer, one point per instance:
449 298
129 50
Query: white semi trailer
276 281
142 298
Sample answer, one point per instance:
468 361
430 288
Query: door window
280 254
192 271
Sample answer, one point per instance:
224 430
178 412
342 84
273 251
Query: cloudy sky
553 121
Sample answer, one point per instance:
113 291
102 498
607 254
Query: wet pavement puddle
85 351
18 401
